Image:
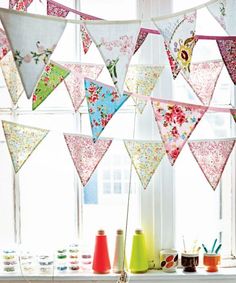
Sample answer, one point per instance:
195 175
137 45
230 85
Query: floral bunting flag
85 154
174 65
224 12
56 10
12 3
227 49
21 141
141 38
86 40
32 48
12 78
212 157
103 102
233 114
145 157
4 44
176 124
75 81
141 79
203 78
178 33
52 76
116 43
22 5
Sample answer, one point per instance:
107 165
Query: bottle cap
119 232
101 232
138 231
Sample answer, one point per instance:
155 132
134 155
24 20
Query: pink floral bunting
4 44
176 124
20 5
141 38
75 81
57 10
203 78
85 154
212 157
233 112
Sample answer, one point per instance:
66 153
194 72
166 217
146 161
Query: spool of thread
138 260
101 260
119 253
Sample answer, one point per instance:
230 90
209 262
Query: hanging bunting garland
145 157
53 75
212 157
21 141
4 44
86 154
174 65
203 78
233 112
75 81
176 124
141 38
57 10
141 79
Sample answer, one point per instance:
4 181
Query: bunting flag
57 10
233 114
86 40
145 157
75 81
23 5
103 102
224 12
178 33
176 124
4 44
141 79
203 78
21 141
85 154
116 43
227 49
31 52
141 38
212 157
174 66
12 3
52 76
12 78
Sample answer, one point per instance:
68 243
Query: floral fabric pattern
174 66
52 76
12 3
212 157
227 49
21 141
145 157
22 5
56 10
85 154
75 81
116 44
12 78
141 38
203 78
233 114
4 44
176 124
178 33
103 102
141 79
86 40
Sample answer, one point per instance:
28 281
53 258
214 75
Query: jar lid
101 232
138 231
119 232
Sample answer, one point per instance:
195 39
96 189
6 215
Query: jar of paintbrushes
212 258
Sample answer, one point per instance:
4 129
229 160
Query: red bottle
101 261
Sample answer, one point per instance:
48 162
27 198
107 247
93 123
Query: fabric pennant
23 5
176 124
85 154
33 52
53 75
103 102
12 3
141 38
4 44
178 33
227 49
86 40
224 12
75 81
116 43
233 115
141 79
145 157
203 78
11 77
56 10
21 141
212 157
174 65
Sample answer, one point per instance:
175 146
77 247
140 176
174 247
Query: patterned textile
141 38
4 44
56 10
233 112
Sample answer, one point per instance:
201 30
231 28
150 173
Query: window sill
224 274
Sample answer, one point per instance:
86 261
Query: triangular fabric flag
178 32
56 9
203 78
212 157
22 5
103 102
176 124
52 76
75 81
141 79
33 50
4 44
224 12
233 112
85 154
227 49
12 3
116 43
86 40
22 141
12 78
174 66
145 157
141 38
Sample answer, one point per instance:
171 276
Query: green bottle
138 260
